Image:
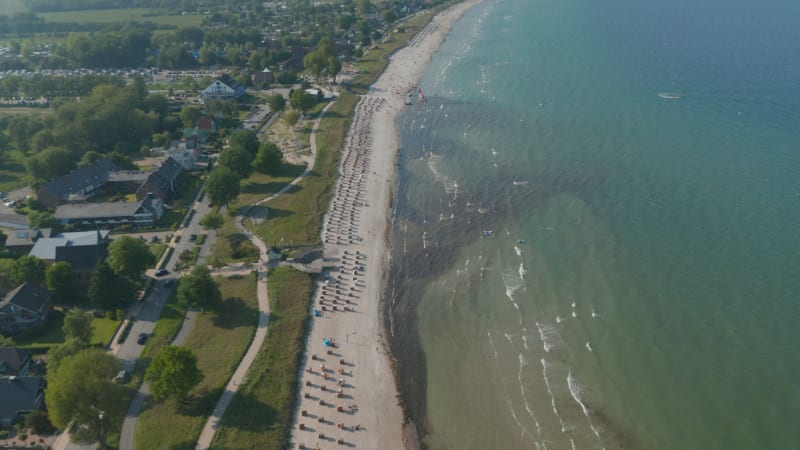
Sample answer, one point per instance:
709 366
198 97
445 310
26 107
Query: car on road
154 239
141 339
192 237
161 272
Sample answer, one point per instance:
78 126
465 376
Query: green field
120 15
11 7
12 170
259 415
219 338
296 216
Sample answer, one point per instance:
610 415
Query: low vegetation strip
260 414
296 216
219 339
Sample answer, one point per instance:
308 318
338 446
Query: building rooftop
45 248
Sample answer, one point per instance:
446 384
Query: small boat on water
668 96
488 233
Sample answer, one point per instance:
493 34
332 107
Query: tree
213 221
199 289
277 103
42 219
102 285
60 279
80 390
222 185
302 100
238 159
190 115
315 62
245 138
291 118
6 280
78 324
334 67
57 353
173 372
269 158
6 341
50 163
129 256
28 269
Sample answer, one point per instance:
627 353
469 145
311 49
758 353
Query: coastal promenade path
239 376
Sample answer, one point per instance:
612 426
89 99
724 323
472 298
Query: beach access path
348 396
239 376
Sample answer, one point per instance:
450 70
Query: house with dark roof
163 183
25 309
21 396
81 250
207 124
14 362
145 212
264 76
21 241
78 185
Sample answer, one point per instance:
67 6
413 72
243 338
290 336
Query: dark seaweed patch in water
482 204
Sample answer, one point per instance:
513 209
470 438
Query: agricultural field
117 15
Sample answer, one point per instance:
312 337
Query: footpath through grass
219 338
260 414
296 216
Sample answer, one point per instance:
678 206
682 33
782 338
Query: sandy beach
348 395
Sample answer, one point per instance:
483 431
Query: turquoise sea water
641 288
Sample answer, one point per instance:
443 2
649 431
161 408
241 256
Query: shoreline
349 391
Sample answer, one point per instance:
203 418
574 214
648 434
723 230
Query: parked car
192 237
122 377
141 339
161 272
154 239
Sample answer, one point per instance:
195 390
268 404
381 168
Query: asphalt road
148 312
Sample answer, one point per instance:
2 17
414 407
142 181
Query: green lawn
260 185
219 338
157 250
296 216
52 334
121 15
12 170
104 330
261 412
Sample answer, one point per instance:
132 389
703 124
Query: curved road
214 422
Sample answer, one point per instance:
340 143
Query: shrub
111 314
38 422
4 434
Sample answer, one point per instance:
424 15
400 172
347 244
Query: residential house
78 185
265 76
21 396
163 183
21 242
145 212
207 125
13 221
14 362
25 309
183 155
223 88
81 250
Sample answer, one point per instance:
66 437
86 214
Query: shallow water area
593 241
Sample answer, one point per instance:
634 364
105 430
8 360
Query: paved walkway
239 376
